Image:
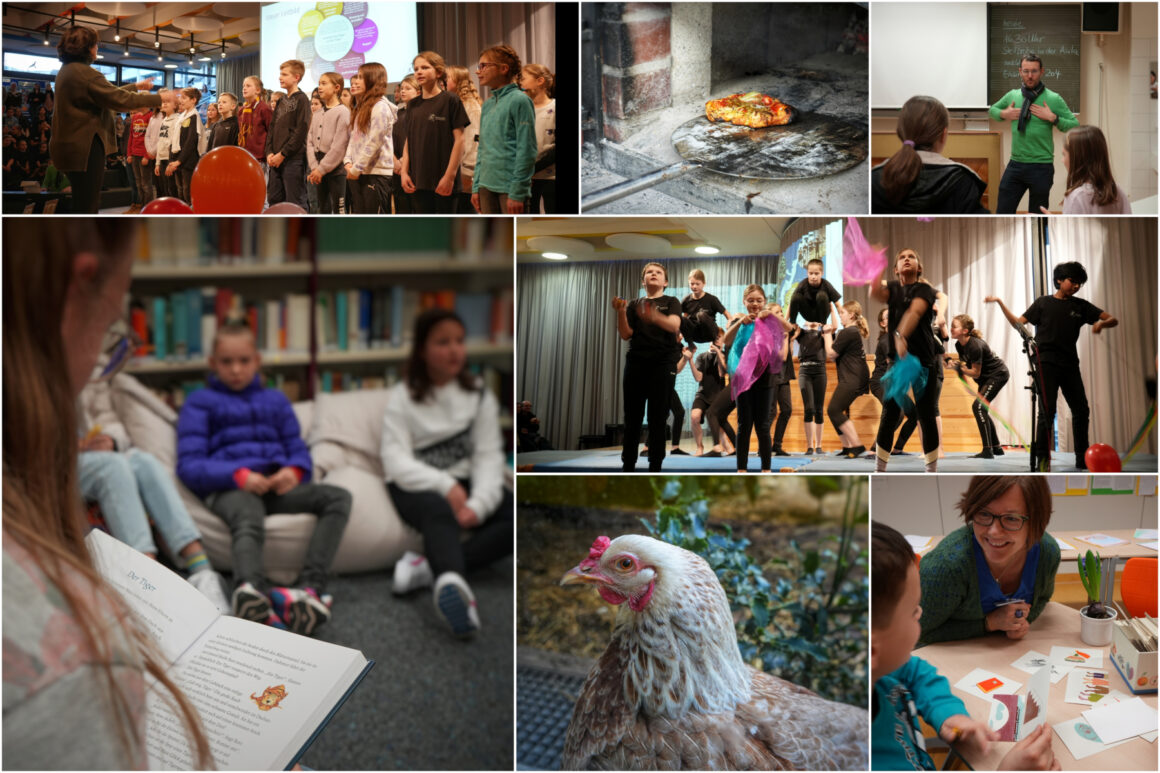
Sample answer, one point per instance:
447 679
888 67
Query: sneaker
455 603
412 572
302 609
209 584
249 603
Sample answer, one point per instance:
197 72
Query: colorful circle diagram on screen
335 37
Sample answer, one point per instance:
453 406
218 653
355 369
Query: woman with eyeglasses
75 657
130 485
996 573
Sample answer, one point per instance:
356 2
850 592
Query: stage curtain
233 72
1119 255
460 31
571 358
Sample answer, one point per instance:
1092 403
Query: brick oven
646 67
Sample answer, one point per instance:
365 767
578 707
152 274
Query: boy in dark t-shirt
1058 319
815 299
699 310
650 325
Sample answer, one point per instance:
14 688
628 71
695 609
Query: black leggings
912 417
926 409
651 382
840 402
988 389
753 411
431 515
1066 378
678 412
783 405
812 381
722 406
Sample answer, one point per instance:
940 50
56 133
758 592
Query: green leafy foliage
810 625
1090 576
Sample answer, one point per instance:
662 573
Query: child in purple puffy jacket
239 447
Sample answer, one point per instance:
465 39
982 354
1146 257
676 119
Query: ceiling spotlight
160 58
706 249
156 37
554 255
170 66
192 45
126 46
117 34
205 59
46 36
223 48
191 60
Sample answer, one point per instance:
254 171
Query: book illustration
1089 686
270 698
1005 716
982 684
1078 657
219 662
1103 540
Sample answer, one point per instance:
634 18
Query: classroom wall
926 505
1128 117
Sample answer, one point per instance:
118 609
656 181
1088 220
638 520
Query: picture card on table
1089 686
1032 661
1079 738
1122 720
1014 716
984 684
1103 540
1077 657
1146 534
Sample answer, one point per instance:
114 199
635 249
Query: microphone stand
1031 349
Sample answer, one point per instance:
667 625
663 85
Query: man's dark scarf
1029 97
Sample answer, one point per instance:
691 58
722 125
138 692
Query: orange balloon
1100 457
228 181
166 205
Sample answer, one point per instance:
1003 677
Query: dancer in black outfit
709 371
911 305
847 352
782 406
650 326
977 361
812 383
1058 319
941 333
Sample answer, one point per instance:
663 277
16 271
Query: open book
263 694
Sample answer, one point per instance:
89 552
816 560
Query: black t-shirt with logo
1057 324
430 123
921 341
976 350
851 362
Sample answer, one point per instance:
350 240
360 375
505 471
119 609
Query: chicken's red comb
599 545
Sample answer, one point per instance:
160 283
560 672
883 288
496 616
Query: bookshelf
331 300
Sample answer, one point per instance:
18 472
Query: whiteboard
935 49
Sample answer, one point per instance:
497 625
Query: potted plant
1095 620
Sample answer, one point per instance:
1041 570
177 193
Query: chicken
671 692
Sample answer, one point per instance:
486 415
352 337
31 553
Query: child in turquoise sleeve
907 688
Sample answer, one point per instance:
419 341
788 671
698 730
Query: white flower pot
1096 633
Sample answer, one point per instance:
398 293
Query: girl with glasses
997 572
507 137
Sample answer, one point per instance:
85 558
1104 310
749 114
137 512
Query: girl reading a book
443 459
75 659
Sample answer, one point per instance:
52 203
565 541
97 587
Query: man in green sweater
1033 110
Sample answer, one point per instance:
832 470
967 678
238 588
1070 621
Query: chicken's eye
624 564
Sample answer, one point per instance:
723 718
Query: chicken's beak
584 575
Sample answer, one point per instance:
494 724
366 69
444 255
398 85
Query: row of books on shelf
174 392
181 325
226 241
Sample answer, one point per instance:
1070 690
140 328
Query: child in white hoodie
443 457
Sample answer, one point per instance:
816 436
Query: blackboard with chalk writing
1050 31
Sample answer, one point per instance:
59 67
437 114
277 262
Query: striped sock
196 562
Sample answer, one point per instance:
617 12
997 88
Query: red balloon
166 205
284 208
1101 457
228 181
